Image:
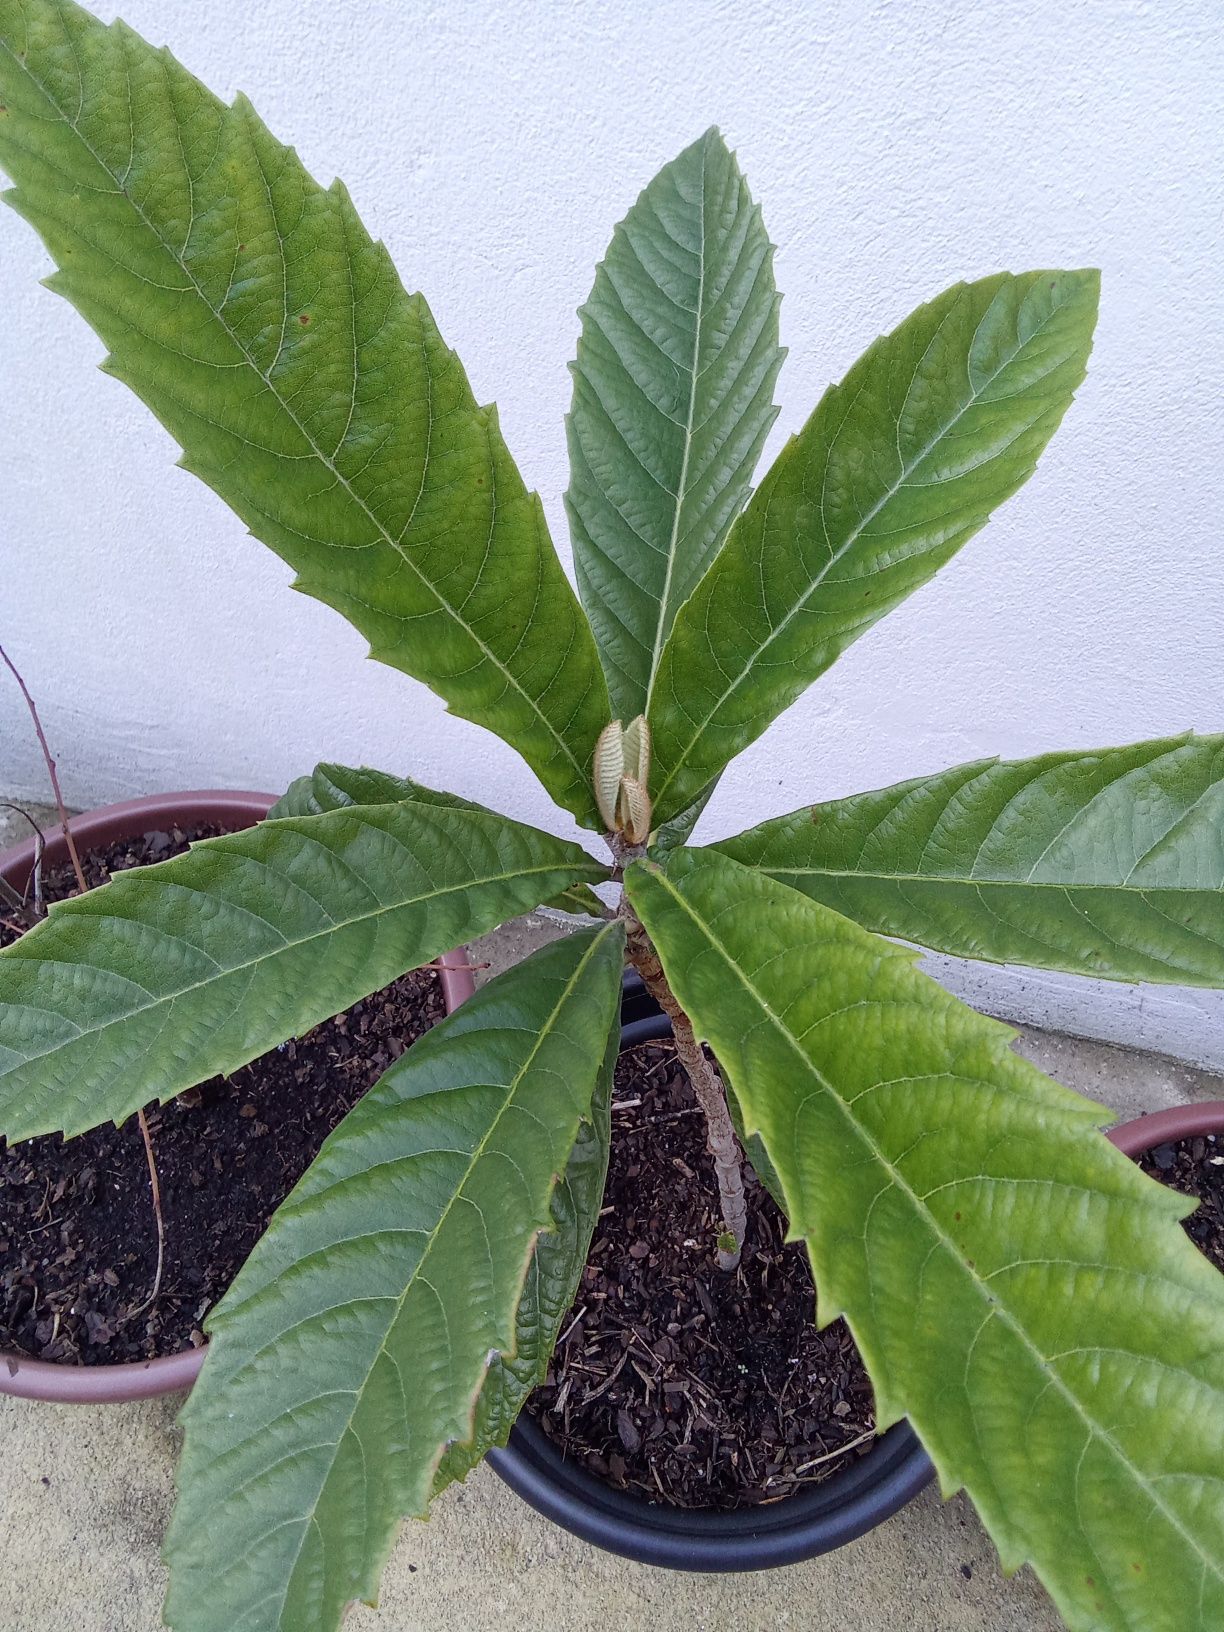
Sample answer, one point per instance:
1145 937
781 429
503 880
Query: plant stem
30 911
51 772
707 1086
157 1213
70 841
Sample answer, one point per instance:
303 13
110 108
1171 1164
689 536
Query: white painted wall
895 147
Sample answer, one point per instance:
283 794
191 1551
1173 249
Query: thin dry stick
31 912
51 771
839 1450
70 841
155 1187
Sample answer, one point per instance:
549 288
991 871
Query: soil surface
673 1378
78 1236
1196 1168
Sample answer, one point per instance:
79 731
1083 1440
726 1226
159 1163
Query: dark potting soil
1195 1166
673 1378
78 1236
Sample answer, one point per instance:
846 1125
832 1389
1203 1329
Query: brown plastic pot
139 1379
1166 1127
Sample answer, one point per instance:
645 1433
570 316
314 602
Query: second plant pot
133 1380
1167 1127
800 1526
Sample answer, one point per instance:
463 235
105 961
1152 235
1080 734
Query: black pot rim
812 1521
802 1526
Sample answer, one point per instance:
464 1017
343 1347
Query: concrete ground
85 1494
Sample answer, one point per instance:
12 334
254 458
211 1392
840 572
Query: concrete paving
85 1495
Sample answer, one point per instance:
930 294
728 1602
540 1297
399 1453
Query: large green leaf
251 311
332 787
353 1345
673 398
1108 863
170 974
934 426
1016 1287
552 1281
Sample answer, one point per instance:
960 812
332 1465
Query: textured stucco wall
895 147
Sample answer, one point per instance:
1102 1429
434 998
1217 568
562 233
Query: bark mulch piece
672 1378
78 1238
1195 1166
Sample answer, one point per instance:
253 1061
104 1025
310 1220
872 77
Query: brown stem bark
721 1142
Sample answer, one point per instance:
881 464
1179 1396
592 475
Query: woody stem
721 1142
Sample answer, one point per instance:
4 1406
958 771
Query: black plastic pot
813 1521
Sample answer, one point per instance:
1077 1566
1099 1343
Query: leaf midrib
276 952
853 537
968 881
326 461
997 1308
545 1032
663 621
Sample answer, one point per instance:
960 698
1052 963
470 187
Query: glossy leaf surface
331 787
170 974
673 398
1108 863
552 1281
1016 1286
934 426
353 1346
251 311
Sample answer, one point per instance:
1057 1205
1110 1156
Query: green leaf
1016 1286
251 311
552 1282
338 787
676 829
577 899
932 428
332 787
353 1345
673 399
170 974
1107 863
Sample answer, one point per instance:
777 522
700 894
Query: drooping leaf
248 307
548 1293
354 1344
332 787
673 399
1016 1286
934 426
578 899
1107 863
337 787
170 974
677 829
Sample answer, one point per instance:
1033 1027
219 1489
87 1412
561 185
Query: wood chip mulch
676 1380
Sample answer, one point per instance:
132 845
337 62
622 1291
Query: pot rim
809 1522
1144 1133
813 1520
28 1379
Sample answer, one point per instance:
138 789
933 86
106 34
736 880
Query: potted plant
107 834
982 1239
1180 1147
